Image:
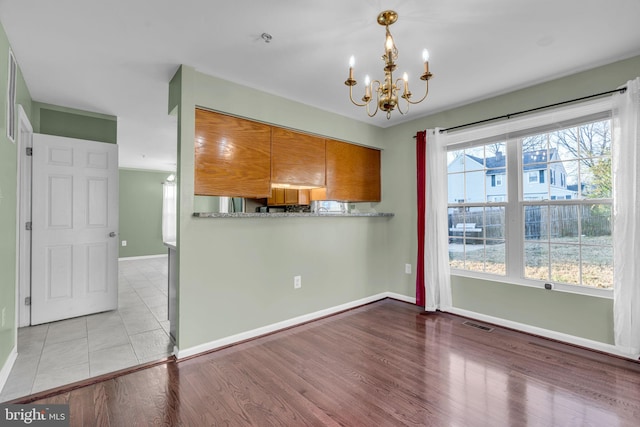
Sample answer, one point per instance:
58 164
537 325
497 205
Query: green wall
72 123
141 212
578 315
236 275
8 202
533 306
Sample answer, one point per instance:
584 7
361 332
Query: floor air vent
477 326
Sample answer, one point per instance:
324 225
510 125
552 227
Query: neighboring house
543 178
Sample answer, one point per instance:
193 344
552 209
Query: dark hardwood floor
383 364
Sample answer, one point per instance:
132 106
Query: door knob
112 234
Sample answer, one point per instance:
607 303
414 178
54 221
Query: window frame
509 130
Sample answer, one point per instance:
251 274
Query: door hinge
27 226
27 301
29 151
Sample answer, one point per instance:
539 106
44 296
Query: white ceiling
117 57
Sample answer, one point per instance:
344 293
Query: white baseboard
243 336
547 333
274 327
400 297
8 365
133 258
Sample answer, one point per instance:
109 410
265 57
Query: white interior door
74 228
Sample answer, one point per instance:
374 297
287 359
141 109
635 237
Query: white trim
12 87
23 215
274 327
132 258
400 297
547 333
8 365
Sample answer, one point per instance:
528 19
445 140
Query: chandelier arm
405 87
378 82
404 96
423 98
400 108
377 101
351 98
374 111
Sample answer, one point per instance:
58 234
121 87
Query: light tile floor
71 350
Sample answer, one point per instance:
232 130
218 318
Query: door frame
23 215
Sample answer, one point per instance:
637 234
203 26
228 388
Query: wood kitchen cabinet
297 158
241 158
277 197
353 172
288 196
232 156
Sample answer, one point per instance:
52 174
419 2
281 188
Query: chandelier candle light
386 92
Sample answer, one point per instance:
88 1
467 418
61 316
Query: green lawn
557 261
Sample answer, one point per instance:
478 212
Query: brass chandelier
387 91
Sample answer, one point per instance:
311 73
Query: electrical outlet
297 282
124 243
4 309
407 268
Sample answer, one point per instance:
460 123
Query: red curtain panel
421 148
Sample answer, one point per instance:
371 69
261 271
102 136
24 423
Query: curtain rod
517 113
508 116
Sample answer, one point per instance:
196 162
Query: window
476 210
536 230
571 243
496 180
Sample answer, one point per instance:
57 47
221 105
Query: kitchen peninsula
290 215
278 171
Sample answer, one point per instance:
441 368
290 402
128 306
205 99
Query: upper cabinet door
353 172
232 156
297 158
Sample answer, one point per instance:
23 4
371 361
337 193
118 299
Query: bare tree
590 144
535 143
497 147
587 142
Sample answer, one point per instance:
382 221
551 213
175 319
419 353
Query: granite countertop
289 215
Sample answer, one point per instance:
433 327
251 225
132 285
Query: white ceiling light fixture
386 92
